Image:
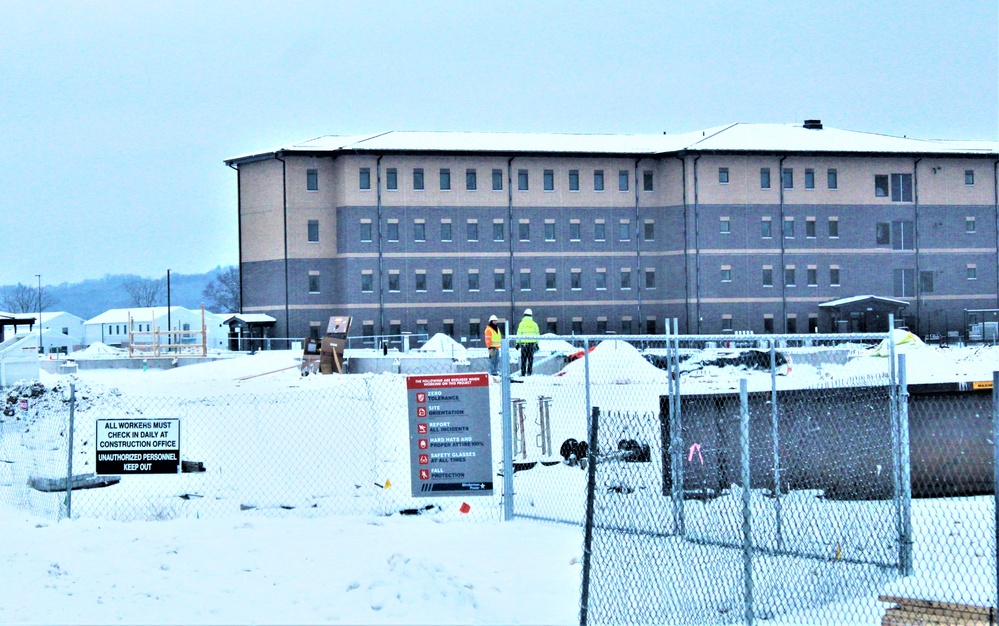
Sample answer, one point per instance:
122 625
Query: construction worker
493 339
528 327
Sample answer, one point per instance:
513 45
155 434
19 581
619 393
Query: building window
601 325
366 231
789 280
421 280
789 228
418 178
833 228
449 328
810 228
723 175
969 224
446 230
809 178
812 276
650 326
313 283
726 323
577 326
549 180
598 180
497 180
393 280
551 326
445 179
549 230
768 277
471 180
880 185
832 179
904 283
392 179
422 328
972 272
575 279
600 231
499 280
647 185
573 180
626 278
522 180
726 273
791 325
313 231
525 280
650 230
312 180
368 333
622 180
764 178
419 231
473 280
364 178
768 324
601 279
624 230
447 280
524 230
902 235
834 276
725 226
314 330
498 234
882 233
574 234
766 230
392 229
472 230
901 187
650 278
625 325
550 280
474 329
969 177
787 178
926 282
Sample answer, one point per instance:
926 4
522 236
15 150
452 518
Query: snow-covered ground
161 564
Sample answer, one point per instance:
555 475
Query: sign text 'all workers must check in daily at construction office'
129 446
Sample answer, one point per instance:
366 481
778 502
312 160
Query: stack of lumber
913 612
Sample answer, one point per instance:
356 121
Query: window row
526 280
476 326
418 179
624 229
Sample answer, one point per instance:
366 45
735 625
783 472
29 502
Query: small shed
249 331
7 319
862 314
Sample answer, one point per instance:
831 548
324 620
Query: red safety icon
423 444
422 429
421 396
424 459
424 474
421 411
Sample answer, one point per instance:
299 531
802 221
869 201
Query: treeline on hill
92 297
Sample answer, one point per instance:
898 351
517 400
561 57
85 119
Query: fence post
904 476
895 427
507 434
747 517
676 435
69 456
591 480
776 444
995 467
586 380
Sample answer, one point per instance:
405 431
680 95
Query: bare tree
222 294
24 299
144 291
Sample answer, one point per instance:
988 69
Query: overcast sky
115 116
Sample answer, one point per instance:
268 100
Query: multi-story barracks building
766 228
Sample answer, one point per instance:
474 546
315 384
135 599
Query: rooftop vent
813 124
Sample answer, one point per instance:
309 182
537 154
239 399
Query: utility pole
41 349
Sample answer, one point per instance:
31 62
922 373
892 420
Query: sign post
450 435
143 446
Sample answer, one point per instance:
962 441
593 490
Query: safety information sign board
138 446
449 433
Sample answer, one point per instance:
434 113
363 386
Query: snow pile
615 362
99 350
553 346
442 345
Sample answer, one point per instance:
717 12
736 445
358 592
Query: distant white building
61 322
112 326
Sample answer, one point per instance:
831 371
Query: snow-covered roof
730 138
249 318
139 314
854 299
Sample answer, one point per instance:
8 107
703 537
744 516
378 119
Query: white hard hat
493 318
528 312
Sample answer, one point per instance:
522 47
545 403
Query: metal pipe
776 444
995 467
509 218
697 252
995 202
69 455
591 479
508 435
905 477
284 195
638 244
747 514
780 234
239 226
686 268
381 255
915 236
